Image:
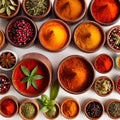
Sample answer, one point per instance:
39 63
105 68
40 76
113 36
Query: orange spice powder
1 37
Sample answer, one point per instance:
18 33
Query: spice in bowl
103 86
2 39
117 85
54 35
103 63
21 32
4 84
113 38
89 36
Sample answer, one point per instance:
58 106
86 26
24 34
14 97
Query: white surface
55 58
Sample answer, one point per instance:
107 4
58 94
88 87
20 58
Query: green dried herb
117 39
7 6
31 77
37 7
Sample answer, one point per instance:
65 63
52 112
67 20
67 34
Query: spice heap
7 60
37 7
114 109
53 35
103 63
103 86
105 11
114 38
69 9
21 32
4 84
88 37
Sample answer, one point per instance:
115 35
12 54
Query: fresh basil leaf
34 71
25 70
25 79
34 84
38 77
44 109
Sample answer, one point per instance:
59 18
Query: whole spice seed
7 60
4 84
94 109
114 109
21 32
37 7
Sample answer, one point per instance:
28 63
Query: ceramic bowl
75 74
12 100
5 16
54 35
21 31
2 39
100 7
117 84
112 109
113 36
8 60
69 105
103 86
106 61
92 105
65 13
25 111
44 68
5 83
85 30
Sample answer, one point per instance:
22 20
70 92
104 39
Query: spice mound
103 63
75 74
88 37
105 11
69 9
54 35
4 84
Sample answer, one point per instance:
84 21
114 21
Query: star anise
7 60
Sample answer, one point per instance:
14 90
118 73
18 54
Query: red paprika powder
103 63
8 107
105 11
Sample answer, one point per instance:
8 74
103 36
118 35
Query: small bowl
103 86
101 63
5 84
8 60
18 26
89 36
117 84
36 17
54 35
92 108
75 74
70 11
2 39
69 105
113 37
5 16
9 104
29 109
114 105
30 61
102 10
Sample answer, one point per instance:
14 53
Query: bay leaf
11 7
2 10
13 3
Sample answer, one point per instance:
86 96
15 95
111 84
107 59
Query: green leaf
52 112
52 102
44 109
3 2
28 83
54 90
13 3
25 79
34 84
11 7
34 71
2 10
8 11
38 77
44 97
25 70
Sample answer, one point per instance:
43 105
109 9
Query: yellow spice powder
69 9
88 36
1 37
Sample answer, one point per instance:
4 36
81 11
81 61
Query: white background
55 58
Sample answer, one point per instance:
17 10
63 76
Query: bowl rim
68 30
58 76
84 9
3 39
13 21
34 16
101 31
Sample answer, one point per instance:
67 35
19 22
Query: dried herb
37 7
7 60
31 77
7 6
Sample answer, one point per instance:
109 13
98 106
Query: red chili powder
8 107
118 85
103 63
22 86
